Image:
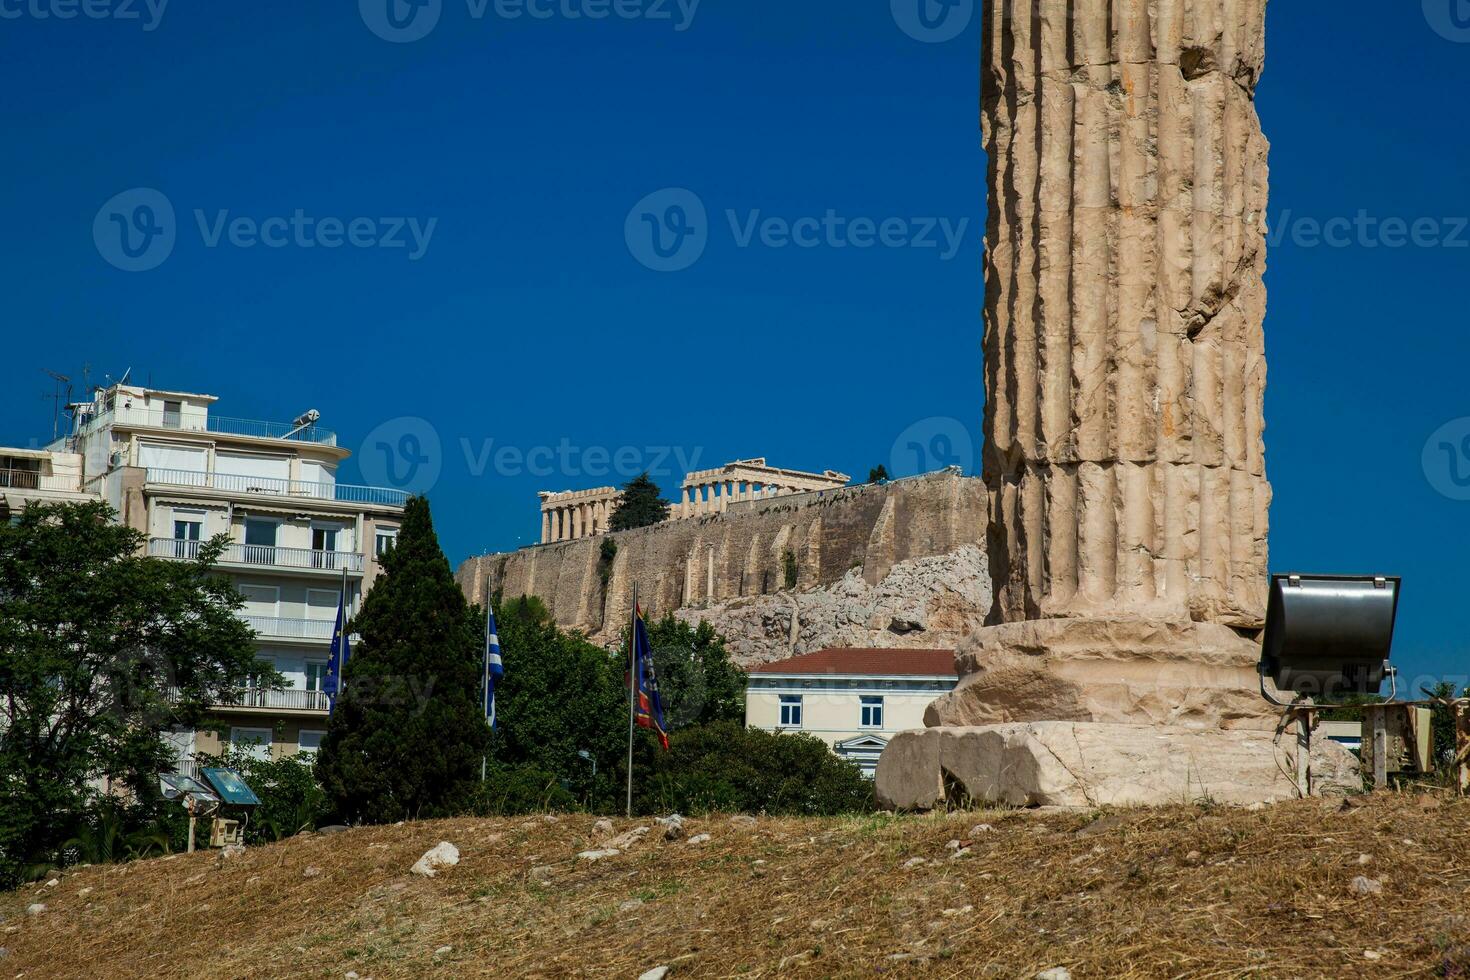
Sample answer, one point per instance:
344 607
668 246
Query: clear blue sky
528 320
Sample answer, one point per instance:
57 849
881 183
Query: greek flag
494 669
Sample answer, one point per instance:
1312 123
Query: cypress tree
640 505
408 731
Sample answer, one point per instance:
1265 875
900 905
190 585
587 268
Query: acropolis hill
899 564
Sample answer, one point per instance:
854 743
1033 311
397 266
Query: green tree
728 768
408 733
877 473
698 682
639 506
291 800
101 650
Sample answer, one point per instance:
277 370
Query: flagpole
341 667
485 690
632 690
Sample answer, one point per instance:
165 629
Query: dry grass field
1177 892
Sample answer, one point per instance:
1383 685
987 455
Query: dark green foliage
101 649
290 798
724 767
697 681
605 556
640 505
560 695
788 569
877 473
408 732
511 791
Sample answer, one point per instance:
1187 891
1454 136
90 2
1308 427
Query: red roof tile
850 660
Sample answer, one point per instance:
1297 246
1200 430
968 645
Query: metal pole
1379 714
485 683
632 691
1304 753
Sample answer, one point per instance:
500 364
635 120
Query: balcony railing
237 483
290 629
290 699
34 480
259 554
206 422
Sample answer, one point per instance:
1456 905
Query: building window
254 742
316 673
260 541
872 712
188 529
324 547
386 538
309 741
791 711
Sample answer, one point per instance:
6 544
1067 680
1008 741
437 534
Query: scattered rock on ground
1366 886
311 872
981 828
743 821
673 826
599 854
441 855
699 839
657 973
84 892
603 828
443 950
624 841
1055 973
35 908
231 851
332 828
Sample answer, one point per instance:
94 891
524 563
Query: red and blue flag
648 709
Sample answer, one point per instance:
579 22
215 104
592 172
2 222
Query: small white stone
1365 859
598 855
441 855
603 828
443 950
311 872
657 973
743 821
351 975
981 828
699 839
35 908
1372 954
1366 886
84 892
53 882
1055 973
915 862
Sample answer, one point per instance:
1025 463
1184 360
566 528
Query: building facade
182 472
855 700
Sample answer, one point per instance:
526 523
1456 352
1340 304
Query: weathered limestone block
1124 352
1088 764
1126 670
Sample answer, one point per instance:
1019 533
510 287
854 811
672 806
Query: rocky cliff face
899 564
930 603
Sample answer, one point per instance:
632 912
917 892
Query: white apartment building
855 700
181 472
38 474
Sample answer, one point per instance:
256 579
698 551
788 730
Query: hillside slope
1182 892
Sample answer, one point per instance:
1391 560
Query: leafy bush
788 566
291 800
512 791
728 768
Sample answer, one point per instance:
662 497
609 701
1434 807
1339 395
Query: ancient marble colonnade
712 491
576 513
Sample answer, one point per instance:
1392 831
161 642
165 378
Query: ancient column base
1125 670
1085 764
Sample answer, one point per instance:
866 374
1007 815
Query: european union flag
337 660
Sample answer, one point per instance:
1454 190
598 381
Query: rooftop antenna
57 398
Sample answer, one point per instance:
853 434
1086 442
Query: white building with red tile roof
852 699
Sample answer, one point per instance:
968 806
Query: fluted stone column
545 527
1124 354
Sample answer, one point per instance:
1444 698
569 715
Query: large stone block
1087 765
1130 670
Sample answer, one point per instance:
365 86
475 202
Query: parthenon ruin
574 514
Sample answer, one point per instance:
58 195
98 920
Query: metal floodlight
1329 634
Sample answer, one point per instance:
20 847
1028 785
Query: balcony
260 555
35 480
205 422
269 486
281 699
279 628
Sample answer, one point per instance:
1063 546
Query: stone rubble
441 855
